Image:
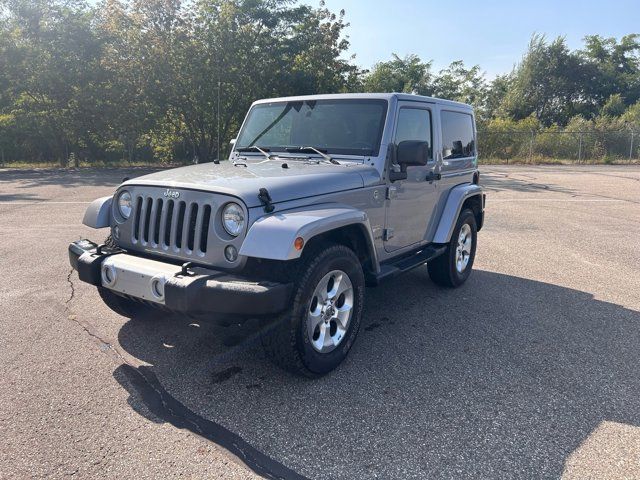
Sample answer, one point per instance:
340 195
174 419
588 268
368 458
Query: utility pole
580 148
531 146
218 121
631 147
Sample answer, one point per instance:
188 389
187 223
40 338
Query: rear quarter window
458 140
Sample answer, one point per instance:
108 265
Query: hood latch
265 198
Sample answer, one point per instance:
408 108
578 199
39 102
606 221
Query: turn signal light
298 243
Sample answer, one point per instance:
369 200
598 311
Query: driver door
412 202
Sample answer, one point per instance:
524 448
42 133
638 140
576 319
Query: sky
491 33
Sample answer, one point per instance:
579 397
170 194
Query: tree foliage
554 83
169 80
402 75
156 77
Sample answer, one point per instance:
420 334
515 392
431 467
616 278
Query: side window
457 135
415 124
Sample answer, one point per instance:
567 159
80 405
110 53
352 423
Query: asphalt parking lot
530 370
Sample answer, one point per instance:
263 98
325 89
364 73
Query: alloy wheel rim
463 249
330 311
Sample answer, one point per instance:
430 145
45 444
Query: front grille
172 225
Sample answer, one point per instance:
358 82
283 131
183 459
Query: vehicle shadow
97 177
502 378
503 181
18 197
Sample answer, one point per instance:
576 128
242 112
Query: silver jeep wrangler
321 196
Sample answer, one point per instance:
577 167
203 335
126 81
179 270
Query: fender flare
272 236
98 213
457 196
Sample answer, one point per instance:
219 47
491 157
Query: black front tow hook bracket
184 270
106 250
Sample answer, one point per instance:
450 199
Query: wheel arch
460 197
353 236
272 237
475 204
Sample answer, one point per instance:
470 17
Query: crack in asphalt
73 288
166 407
88 328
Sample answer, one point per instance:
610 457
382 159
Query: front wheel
453 267
315 335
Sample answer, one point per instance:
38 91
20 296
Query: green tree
467 85
235 51
632 115
403 75
613 67
159 79
314 52
53 74
548 83
614 106
496 94
128 109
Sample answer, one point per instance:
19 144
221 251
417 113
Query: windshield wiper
263 151
315 150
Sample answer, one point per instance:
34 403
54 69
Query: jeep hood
301 179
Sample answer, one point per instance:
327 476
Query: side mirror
409 153
412 152
232 142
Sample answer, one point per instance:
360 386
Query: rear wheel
315 335
453 267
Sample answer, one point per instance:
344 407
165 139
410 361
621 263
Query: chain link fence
555 145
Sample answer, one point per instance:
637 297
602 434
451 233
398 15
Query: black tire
442 269
288 343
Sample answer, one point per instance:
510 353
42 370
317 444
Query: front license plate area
138 277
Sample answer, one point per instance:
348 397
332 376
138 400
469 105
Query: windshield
347 127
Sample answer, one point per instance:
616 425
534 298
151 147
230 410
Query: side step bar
405 263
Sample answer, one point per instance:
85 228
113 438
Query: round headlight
124 204
233 219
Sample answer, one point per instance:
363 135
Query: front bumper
198 291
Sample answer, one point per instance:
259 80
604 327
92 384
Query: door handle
431 176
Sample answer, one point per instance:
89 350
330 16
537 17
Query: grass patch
557 161
482 161
84 164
